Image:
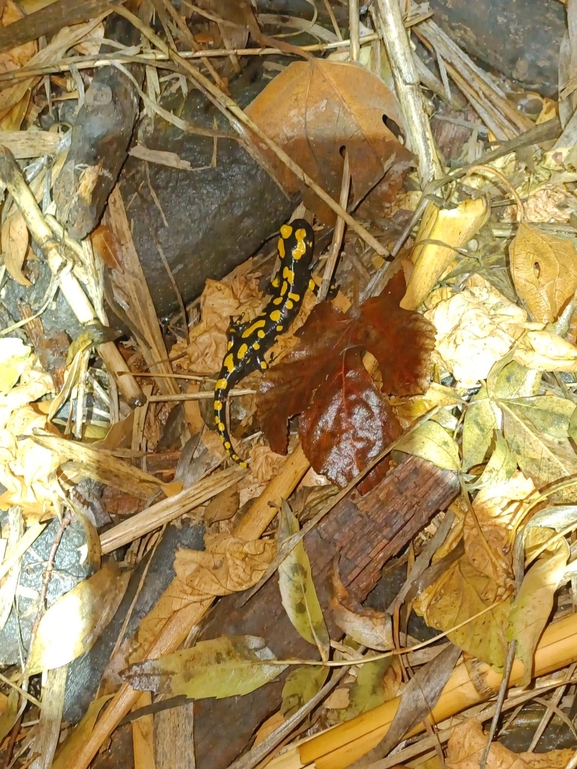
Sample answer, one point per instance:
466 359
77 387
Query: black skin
248 342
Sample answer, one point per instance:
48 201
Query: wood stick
339 747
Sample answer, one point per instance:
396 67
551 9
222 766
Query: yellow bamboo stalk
340 746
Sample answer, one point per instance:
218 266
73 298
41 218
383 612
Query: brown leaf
315 108
228 565
223 506
346 422
544 270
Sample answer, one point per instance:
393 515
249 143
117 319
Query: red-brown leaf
346 421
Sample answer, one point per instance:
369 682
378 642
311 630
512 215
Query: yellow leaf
84 611
461 592
481 420
451 228
541 457
430 441
544 270
300 686
297 588
222 667
534 602
15 240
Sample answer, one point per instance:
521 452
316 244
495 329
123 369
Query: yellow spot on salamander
261 334
218 405
281 249
275 316
220 426
312 285
263 364
286 231
229 345
279 328
253 327
221 384
229 363
242 350
301 247
275 283
289 305
288 274
256 346
294 297
284 288
278 300
227 445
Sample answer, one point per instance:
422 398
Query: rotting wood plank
365 532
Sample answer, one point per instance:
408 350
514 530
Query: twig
338 232
417 126
11 177
354 30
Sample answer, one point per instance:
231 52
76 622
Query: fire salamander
247 342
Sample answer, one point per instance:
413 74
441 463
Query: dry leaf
228 565
468 741
84 611
475 328
221 667
21 54
482 418
297 589
223 506
15 239
450 228
366 626
544 270
314 108
546 351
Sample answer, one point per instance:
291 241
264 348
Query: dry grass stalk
168 509
337 748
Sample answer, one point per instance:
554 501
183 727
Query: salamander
248 342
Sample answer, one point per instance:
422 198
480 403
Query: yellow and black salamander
247 342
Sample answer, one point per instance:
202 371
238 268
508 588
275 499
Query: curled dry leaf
468 741
314 108
544 271
228 565
545 351
534 602
475 328
222 667
449 228
297 589
84 611
368 627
